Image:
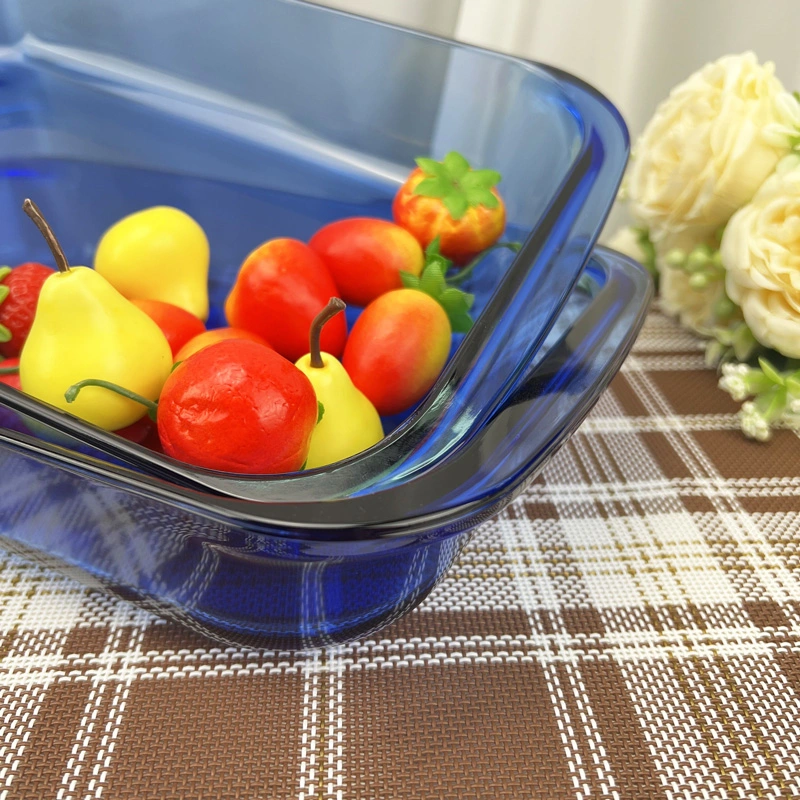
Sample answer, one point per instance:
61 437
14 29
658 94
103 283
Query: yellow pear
85 329
159 253
349 421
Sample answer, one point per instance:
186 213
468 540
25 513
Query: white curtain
633 51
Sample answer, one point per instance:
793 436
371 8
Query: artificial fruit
84 328
281 287
19 293
159 253
207 338
450 200
234 406
350 423
177 324
366 256
397 349
238 406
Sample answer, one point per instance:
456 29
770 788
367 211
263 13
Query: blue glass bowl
270 124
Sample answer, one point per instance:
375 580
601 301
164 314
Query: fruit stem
32 210
335 305
72 393
9 370
461 276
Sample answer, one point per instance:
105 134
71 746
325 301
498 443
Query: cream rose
709 146
761 254
693 307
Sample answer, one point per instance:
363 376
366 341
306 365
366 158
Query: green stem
461 276
72 393
9 370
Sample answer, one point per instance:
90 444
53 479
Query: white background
633 51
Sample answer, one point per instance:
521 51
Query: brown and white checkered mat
630 628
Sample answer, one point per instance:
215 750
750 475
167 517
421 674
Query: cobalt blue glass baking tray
272 122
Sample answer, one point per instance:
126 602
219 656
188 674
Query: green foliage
453 181
432 281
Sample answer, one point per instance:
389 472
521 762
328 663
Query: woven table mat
628 628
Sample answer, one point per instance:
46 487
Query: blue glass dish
272 122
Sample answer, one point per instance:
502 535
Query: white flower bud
735 386
754 426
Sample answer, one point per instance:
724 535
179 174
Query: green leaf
4 272
456 300
743 342
481 179
714 352
461 323
770 371
433 187
757 382
724 308
724 336
5 334
433 248
793 385
432 281
409 281
457 305
441 262
772 403
456 165
320 412
456 205
432 167
4 290
8 370
482 197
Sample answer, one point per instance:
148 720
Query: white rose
761 254
709 146
693 307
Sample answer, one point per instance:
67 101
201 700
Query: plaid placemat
630 628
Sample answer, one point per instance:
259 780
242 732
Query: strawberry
19 293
